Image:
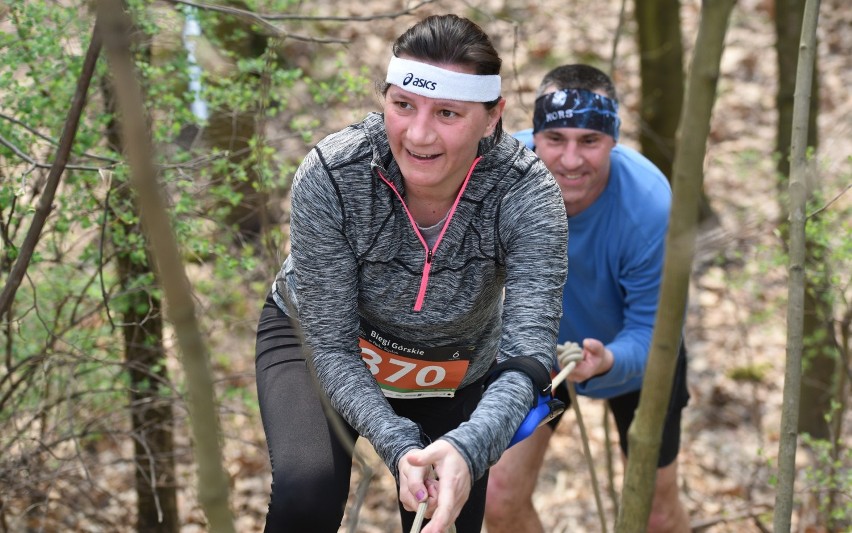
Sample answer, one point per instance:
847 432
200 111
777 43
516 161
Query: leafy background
298 90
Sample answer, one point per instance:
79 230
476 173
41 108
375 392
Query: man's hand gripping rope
568 354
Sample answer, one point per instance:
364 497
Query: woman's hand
414 485
445 496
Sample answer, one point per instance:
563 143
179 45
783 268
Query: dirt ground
736 313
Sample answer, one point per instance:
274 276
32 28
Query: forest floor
736 316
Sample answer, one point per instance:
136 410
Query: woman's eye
446 113
403 105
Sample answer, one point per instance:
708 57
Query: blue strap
546 409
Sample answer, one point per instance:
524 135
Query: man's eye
446 113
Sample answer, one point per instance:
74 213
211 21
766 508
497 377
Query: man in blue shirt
618 207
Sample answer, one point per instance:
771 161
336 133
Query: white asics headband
435 82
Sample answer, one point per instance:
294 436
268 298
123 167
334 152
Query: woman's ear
494 115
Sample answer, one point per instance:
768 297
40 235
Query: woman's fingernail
421 495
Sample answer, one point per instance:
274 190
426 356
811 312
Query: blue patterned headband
576 108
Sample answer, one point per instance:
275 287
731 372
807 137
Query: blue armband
546 409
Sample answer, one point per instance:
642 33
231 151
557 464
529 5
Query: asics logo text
418 82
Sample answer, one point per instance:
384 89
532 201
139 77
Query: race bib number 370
404 370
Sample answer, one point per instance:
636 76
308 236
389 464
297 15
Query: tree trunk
152 418
213 481
821 345
151 411
661 72
645 432
797 275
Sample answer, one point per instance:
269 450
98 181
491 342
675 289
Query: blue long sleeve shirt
615 258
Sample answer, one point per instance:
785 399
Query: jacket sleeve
534 235
326 274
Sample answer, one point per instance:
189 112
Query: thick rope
568 354
418 518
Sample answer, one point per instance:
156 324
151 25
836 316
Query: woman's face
435 141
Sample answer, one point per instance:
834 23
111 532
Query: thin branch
827 205
618 30
798 197
107 176
213 487
17 151
52 141
516 76
289 16
364 18
8 144
252 17
45 204
706 523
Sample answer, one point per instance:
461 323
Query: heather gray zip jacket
356 254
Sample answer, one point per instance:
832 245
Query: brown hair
578 76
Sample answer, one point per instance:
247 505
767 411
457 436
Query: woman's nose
420 130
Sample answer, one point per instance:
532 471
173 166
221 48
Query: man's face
579 160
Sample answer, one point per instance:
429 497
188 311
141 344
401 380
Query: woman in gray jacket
427 262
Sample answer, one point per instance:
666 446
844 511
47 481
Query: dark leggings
311 468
